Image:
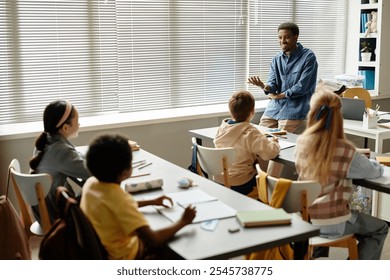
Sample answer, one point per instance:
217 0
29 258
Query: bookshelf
375 68
376 71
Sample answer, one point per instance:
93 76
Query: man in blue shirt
291 82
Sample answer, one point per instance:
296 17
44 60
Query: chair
75 185
297 199
359 93
31 190
216 162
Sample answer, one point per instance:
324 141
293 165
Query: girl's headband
66 114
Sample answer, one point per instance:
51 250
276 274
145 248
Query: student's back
325 155
122 229
249 142
115 217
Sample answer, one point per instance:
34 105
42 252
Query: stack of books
134 145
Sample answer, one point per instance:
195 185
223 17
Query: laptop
353 108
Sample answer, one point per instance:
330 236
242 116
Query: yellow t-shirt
114 215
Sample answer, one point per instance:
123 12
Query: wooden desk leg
300 249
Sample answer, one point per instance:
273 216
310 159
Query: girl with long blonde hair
325 155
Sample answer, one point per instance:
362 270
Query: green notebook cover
259 218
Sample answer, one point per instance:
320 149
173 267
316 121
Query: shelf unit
377 70
379 67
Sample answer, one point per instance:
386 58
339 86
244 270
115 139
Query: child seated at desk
249 142
55 154
325 155
122 229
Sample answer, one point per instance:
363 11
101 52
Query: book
385 160
259 218
274 131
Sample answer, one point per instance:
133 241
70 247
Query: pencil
140 175
145 165
139 163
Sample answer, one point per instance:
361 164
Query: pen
143 166
140 175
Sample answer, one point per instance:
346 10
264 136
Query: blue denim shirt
296 77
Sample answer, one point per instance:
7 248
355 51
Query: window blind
121 56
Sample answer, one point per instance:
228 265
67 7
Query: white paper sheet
285 144
205 211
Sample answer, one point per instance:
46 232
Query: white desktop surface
193 242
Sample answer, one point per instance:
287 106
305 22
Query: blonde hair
324 129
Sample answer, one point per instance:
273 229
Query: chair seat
322 241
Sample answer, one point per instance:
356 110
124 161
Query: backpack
72 236
195 167
13 238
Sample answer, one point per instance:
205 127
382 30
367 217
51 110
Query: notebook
353 108
259 218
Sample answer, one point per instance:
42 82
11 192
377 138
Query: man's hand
276 96
255 80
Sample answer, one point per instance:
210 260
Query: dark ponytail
56 114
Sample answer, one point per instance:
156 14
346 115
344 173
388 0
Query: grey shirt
363 168
60 160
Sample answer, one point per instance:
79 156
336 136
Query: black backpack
72 236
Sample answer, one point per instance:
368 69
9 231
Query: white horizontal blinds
265 17
4 67
225 28
323 28
179 53
85 43
144 54
133 55
60 51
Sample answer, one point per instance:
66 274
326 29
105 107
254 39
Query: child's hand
189 215
160 201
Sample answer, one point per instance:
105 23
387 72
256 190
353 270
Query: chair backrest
31 189
216 161
299 196
360 93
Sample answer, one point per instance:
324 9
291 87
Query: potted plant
365 51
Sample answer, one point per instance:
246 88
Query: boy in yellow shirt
122 229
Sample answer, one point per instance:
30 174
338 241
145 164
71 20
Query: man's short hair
289 26
241 105
108 156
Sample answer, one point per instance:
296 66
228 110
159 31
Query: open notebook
207 207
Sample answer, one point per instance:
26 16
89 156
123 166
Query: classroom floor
335 253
